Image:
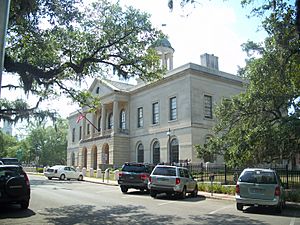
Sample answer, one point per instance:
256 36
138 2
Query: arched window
110 121
122 120
174 151
156 152
99 123
140 153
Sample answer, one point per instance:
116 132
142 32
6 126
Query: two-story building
153 122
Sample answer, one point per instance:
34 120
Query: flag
80 117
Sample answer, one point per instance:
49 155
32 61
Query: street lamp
169 147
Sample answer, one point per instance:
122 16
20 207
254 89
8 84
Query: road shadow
89 215
188 198
14 211
136 192
286 212
225 219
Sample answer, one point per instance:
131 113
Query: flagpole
88 120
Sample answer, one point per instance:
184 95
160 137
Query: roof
119 86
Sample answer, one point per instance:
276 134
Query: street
75 202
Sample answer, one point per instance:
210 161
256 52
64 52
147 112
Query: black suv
134 175
14 186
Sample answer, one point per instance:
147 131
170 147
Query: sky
209 26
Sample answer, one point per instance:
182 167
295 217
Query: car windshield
9 171
259 177
8 161
134 168
165 171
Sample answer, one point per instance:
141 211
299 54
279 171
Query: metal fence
225 175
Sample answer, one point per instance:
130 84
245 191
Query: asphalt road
74 202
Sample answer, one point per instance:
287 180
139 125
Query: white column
116 117
103 119
84 126
171 62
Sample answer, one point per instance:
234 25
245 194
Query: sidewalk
200 193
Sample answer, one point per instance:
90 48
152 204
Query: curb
100 182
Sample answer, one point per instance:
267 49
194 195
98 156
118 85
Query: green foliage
262 124
293 196
39 170
216 188
47 145
8 145
52 46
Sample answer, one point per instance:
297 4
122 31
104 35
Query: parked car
172 180
134 175
14 186
259 187
63 172
9 161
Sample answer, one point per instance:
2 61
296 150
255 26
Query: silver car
259 187
172 180
63 172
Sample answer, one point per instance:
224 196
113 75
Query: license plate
257 190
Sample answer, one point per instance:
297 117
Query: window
174 151
173 108
97 90
208 106
140 122
156 152
80 132
88 129
110 121
155 113
140 155
73 135
122 120
99 124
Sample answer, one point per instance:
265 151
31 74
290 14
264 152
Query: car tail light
277 191
237 189
177 181
144 176
150 179
27 180
120 174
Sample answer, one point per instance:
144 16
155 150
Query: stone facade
155 122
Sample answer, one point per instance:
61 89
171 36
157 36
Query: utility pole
4 12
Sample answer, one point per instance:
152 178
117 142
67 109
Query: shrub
293 196
216 188
39 170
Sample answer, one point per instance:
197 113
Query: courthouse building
153 122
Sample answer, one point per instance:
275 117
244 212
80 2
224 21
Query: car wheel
124 189
153 194
239 206
80 178
49 178
195 191
183 193
62 177
24 204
